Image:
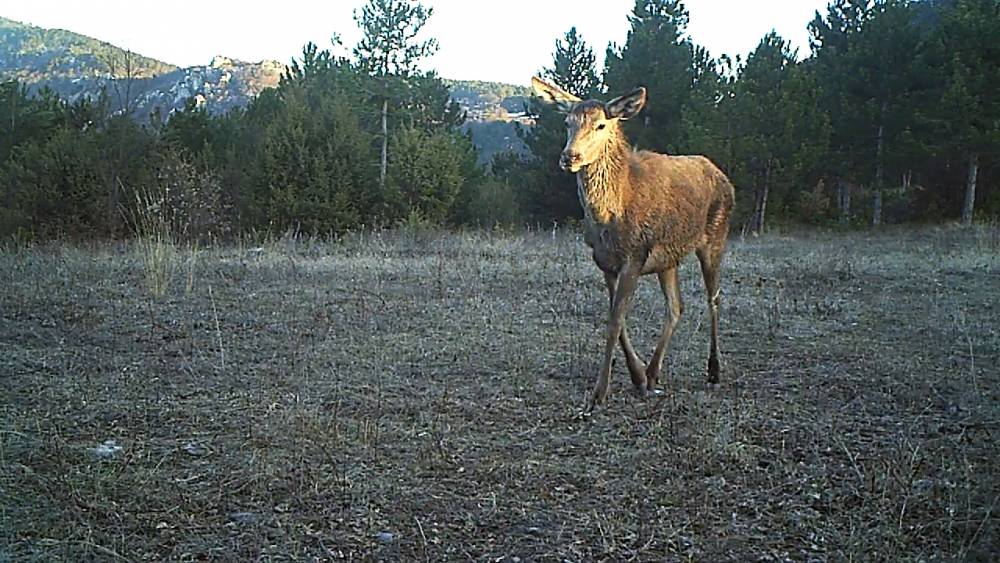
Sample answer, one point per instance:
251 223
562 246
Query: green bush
192 199
425 173
492 202
55 187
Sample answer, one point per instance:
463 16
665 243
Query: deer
643 212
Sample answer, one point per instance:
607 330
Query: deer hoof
646 392
713 370
639 391
598 399
652 378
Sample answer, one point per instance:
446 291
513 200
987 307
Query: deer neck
602 183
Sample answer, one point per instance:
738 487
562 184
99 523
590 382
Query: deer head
590 125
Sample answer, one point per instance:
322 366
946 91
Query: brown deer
643 213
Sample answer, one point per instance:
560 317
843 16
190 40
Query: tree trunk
844 201
385 144
116 163
970 189
879 168
761 210
877 209
114 202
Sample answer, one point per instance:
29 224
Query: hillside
34 55
222 85
487 101
493 110
76 66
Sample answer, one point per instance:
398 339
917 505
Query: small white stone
107 450
195 449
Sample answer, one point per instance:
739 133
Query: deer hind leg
628 278
635 366
672 293
710 257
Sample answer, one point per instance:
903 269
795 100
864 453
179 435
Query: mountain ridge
26 51
75 65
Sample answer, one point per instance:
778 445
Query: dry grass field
417 396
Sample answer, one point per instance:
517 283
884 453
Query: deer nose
569 157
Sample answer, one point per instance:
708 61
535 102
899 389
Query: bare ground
417 396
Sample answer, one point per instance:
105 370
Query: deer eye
600 127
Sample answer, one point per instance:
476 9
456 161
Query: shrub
493 202
190 200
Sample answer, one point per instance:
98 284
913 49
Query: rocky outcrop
220 86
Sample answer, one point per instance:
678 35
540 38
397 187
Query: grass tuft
155 242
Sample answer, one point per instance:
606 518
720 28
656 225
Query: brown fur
643 213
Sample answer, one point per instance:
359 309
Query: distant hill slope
76 66
32 55
493 109
484 100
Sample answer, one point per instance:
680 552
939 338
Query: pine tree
656 55
552 193
969 109
759 141
707 116
869 56
831 37
314 164
574 67
389 49
428 168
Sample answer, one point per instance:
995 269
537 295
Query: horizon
465 50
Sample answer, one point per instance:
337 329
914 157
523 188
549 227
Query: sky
503 41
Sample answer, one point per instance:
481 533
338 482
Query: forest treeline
893 117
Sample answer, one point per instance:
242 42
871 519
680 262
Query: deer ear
627 106
554 95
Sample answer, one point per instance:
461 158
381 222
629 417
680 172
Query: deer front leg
635 366
628 278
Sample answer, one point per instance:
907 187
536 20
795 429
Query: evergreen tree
760 142
831 37
969 109
707 120
23 117
192 131
427 104
315 165
776 134
550 193
54 186
428 169
389 48
574 67
806 147
656 55
887 58
869 57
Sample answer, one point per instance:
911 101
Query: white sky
506 40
